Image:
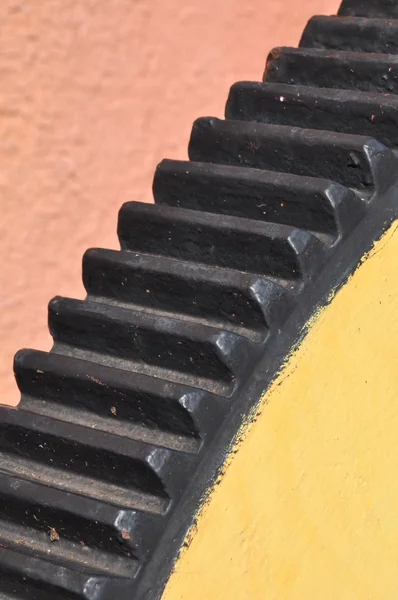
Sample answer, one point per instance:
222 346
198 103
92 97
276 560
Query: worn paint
307 508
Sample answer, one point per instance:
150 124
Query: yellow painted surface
308 507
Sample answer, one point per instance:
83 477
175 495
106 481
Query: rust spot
272 56
96 380
275 53
54 537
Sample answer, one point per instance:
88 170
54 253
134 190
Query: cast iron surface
125 424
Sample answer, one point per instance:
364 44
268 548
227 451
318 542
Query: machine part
126 425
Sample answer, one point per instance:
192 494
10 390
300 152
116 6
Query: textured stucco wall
93 94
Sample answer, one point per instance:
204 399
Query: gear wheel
125 424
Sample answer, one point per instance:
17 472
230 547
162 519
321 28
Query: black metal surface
369 8
125 423
361 71
356 34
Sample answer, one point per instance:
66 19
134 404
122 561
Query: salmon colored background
93 95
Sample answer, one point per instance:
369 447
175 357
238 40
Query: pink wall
93 94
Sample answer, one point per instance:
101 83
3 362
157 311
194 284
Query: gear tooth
261 195
116 401
138 341
342 111
25 577
304 152
361 71
165 287
355 34
223 242
71 457
369 8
